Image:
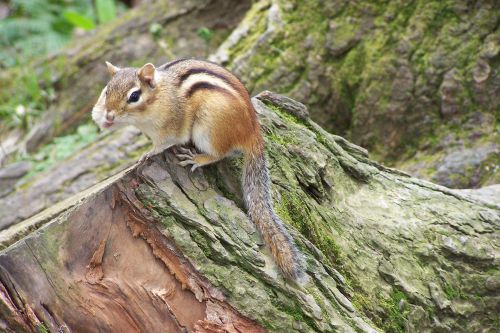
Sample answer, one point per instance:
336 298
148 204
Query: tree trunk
393 76
157 248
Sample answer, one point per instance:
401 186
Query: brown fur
151 99
120 84
192 100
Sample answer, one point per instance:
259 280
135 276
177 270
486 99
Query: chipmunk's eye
134 97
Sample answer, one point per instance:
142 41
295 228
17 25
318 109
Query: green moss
279 50
351 68
292 119
295 311
41 328
286 115
396 313
364 302
292 206
283 139
293 210
453 293
256 21
431 312
202 243
346 31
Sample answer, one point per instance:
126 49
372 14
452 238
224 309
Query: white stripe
204 77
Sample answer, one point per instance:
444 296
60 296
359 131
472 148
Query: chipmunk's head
126 96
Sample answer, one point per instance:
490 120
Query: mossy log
156 248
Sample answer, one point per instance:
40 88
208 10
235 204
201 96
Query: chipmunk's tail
259 204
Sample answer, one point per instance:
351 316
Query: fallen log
157 248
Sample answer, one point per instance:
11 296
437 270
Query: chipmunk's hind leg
187 157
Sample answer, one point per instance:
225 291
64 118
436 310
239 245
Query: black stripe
206 85
198 70
170 64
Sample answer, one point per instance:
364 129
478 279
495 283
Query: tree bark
157 248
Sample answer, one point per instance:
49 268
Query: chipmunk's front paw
187 157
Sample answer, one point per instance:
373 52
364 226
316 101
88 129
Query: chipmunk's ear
112 69
147 74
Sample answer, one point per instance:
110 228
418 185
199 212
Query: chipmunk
196 101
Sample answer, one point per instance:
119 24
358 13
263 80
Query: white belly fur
201 139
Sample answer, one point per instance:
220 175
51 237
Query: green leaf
205 33
79 20
155 30
106 10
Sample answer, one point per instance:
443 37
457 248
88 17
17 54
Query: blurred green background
30 28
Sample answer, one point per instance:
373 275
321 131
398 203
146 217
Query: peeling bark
112 270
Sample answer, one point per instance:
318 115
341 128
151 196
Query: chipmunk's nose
110 116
